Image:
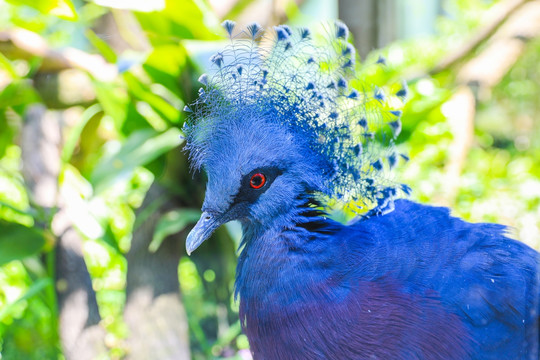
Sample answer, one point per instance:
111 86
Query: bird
286 130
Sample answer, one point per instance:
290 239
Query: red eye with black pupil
257 181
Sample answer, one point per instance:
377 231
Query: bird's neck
287 255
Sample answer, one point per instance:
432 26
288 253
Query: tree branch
497 16
503 50
24 44
480 74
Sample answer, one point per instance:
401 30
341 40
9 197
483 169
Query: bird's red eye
257 181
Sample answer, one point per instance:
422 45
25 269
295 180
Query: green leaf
165 64
33 290
171 223
140 148
146 211
63 9
141 91
101 46
110 239
75 133
7 133
229 335
30 212
6 65
114 100
181 19
118 104
18 241
18 92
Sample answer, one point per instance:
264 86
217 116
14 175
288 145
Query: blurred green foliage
129 138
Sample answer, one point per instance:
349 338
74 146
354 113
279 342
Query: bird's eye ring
257 181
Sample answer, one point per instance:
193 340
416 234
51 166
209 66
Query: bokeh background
96 196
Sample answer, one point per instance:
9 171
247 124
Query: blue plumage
282 135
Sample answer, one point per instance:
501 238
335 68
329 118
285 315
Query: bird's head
278 121
257 172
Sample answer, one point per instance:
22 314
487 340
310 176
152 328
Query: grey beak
206 225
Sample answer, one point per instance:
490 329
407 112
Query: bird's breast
339 320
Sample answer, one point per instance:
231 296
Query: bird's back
487 280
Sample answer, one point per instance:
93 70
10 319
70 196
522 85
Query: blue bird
284 130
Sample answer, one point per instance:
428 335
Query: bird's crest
308 82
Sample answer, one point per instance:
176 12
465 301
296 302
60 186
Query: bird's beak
206 225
